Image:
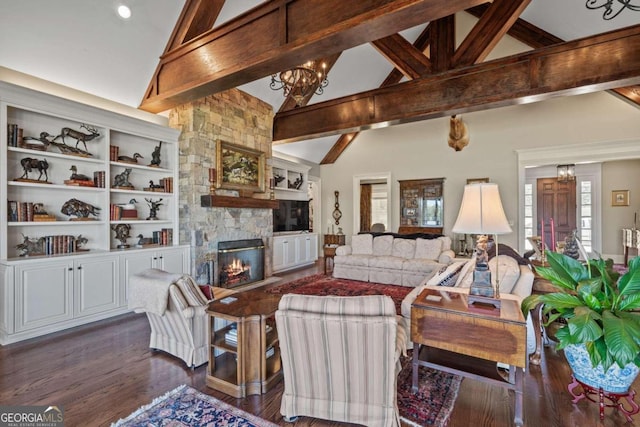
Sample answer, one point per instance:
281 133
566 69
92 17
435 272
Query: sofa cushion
404 248
428 248
446 242
353 260
387 262
447 276
362 244
508 271
420 265
382 245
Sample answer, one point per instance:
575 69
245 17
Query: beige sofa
392 260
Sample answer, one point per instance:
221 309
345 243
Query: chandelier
566 173
612 8
301 81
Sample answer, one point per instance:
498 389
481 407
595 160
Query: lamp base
481 291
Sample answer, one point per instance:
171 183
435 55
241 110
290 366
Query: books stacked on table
270 352
231 337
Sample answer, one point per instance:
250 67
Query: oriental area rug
319 284
186 406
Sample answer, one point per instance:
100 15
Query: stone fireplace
240 262
238 118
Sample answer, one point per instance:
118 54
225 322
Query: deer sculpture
79 136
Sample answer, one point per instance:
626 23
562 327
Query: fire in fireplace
240 262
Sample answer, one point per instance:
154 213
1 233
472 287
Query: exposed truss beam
562 69
421 43
536 37
403 55
277 35
490 28
443 43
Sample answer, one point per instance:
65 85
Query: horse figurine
29 163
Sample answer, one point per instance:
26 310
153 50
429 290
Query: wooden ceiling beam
490 28
290 103
197 17
443 43
563 69
411 62
277 35
422 43
537 38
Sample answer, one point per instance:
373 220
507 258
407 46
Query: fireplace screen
240 262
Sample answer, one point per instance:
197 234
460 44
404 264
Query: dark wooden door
556 200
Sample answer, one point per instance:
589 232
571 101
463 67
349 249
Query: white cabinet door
132 263
279 253
290 251
44 294
173 260
96 287
313 247
302 243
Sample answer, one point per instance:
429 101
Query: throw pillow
508 270
207 291
382 245
428 248
447 276
404 248
362 244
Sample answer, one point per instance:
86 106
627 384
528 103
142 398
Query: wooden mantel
212 201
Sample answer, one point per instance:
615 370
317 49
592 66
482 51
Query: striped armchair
340 358
177 313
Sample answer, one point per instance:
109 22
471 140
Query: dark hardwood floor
104 371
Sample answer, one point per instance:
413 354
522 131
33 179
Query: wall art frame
239 168
620 198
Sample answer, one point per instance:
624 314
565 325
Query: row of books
27 212
53 245
167 184
99 179
117 213
114 152
231 337
163 237
14 135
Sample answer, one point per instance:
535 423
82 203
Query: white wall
420 150
622 175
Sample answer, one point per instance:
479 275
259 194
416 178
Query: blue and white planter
615 380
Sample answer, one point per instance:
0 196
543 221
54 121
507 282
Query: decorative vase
615 380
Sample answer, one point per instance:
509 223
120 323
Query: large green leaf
630 302
584 325
629 283
559 300
556 279
621 337
567 268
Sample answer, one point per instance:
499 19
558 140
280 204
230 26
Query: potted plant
601 337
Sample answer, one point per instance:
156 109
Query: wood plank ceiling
442 80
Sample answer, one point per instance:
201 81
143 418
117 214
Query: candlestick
212 180
542 237
553 235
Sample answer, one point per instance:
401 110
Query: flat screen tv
291 215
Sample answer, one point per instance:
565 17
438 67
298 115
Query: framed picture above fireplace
239 168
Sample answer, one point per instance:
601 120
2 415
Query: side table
329 254
482 338
248 363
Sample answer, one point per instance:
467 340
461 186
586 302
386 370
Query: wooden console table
248 366
331 241
481 338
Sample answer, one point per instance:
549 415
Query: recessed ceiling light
124 11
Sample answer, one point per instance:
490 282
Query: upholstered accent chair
177 313
340 358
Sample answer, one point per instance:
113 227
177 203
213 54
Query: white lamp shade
481 211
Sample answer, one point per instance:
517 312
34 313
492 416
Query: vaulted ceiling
391 61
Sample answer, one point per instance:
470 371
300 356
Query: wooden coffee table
251 364
450 336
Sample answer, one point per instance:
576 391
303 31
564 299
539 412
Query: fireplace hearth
240 262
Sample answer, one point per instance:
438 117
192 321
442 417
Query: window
379 204
528 215
586 214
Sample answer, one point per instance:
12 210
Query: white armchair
177 313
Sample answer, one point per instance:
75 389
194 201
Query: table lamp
481 213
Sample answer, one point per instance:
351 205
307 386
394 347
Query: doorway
556 204
381 199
